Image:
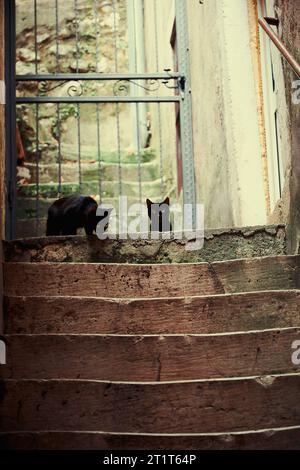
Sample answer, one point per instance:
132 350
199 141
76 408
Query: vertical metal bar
117 104
37 167
77 38
97 30
161 168
59 149
79 147
37 200
77 35
138 140
186 123
10 117
139 151
35 37
57 36
58 105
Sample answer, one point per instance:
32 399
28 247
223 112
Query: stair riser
270 440
115 280
108 188
150 359
240 312
49 173
196 407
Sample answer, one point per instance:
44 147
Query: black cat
67 214
159 215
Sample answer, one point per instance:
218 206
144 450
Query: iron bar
58 105
57 36
97 31
161 170
188 170
98 99
35 37
79 146
280 46
117 103
139 152
37 157
137 114
77 39
98 76
58 148
37 201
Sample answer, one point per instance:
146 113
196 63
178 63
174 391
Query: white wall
226 133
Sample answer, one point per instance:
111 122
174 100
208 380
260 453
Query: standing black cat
159 214
67 214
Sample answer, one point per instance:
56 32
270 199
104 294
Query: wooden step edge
153 434
129 300
264 380
150 358
189 406
204 314
287 438
140 336
152 280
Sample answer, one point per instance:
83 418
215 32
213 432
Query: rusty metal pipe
280 46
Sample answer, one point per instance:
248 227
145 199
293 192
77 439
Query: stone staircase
144 345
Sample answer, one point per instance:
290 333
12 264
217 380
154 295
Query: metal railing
265 24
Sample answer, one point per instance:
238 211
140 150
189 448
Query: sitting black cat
67 214
159 215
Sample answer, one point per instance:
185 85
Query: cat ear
149 203
167 201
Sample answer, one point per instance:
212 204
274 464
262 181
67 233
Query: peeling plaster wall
229 169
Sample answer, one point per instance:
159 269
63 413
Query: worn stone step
150 358
48 173
185 407
110 189
152 280
267 439
219 245
189 315
89 154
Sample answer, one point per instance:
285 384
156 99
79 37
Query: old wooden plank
186 407
271 439
207 314
166 280
150 358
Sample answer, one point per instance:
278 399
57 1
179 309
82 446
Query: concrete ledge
219 245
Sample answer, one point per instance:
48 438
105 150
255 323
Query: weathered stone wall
78 45
289 15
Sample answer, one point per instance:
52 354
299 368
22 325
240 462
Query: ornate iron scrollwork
75 89
122 87
45 87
